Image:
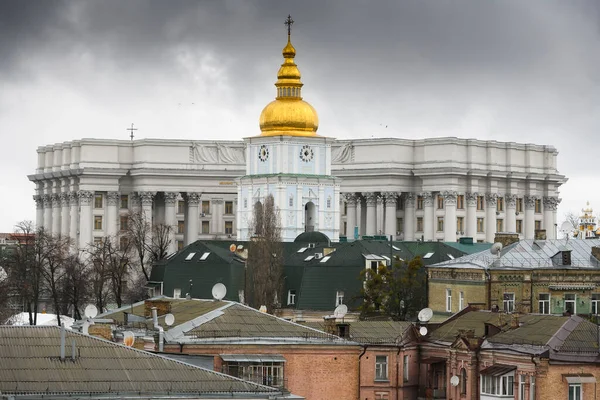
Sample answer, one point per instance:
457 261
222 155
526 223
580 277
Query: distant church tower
291 162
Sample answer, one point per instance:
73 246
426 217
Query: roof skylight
190 256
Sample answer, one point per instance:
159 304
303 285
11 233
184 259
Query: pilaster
371 201
491 200
530 216
428 215
409 216
391 200
85 219
450 216
112 207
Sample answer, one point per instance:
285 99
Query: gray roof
30 365
373 332
530 254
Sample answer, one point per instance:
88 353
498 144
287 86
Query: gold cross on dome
289 22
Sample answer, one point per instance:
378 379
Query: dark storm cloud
511 70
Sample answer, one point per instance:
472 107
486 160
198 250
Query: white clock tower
291 162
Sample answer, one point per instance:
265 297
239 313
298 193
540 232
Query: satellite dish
169 319
240 247
566 227
232 247
128 338
423 331
425 314
454 380
90 311
340 311
263 309
219 291
496 247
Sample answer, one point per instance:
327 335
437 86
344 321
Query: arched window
463 381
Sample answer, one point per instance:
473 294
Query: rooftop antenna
340 311
219 291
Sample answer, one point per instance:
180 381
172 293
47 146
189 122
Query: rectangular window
229 207
381 368
180 227
291 297
124 201
508 302
176 293
500 204
97 222
575 391
480 203
123 243
229 227
570 303
205 207
399 225
339 298
460 225
405 368
522 387
419 202
419 224
448 300
519 227
461 300
205 227
538 206
400 203
595 303
519 205
460 202
181 207
440 202
264 373
97 241
538 225
179 245
499 225
480 222
98 201
544 303
440 224
498 385
124 222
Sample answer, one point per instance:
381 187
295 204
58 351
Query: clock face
263 153
306 153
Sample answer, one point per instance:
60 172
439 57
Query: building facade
429 189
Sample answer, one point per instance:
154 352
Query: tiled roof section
534 329
30 364
373 332
183 310
239 321
528 254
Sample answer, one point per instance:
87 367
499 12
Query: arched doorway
310 216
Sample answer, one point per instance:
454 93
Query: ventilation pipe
159 328
62 342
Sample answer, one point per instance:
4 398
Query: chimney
540 234
596 252
506 238
343 330
158 328
330 325
514 321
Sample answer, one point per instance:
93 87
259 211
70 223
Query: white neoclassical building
430 189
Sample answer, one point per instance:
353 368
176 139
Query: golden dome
288 114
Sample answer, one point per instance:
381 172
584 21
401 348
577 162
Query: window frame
229 227
448 300
124 202
440 202
460 202
508 302
339 298
98 201
228 204
405 368
419 224
480 203
595 303
207 225
98 222
381 368
570 301
440 224
480 225
291 300
544 304
577 391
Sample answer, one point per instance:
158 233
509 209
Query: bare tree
75 286
265 256
99 274
150 243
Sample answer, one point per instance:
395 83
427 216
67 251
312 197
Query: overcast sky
523 71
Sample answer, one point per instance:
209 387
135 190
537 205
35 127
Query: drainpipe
359 368
159 328
489 285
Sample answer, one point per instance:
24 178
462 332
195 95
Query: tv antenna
169 319
219 291
340 311
90 311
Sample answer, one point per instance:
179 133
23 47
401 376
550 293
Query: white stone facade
435 189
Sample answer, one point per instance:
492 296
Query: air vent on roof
318 256
311 245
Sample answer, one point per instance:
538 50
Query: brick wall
103 331
552 385
162 307
395 387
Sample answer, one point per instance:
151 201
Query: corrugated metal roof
372 332
30 364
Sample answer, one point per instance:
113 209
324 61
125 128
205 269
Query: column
529 216
380 228
218 208
371 200
491 199
112 210
56 205
135 202
64 214
428 215
549 224
409 216
39 211
47 199
511 212
191 222
85 218
171 218
471 227
450 216
350 199
73 218
391 199
146 199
